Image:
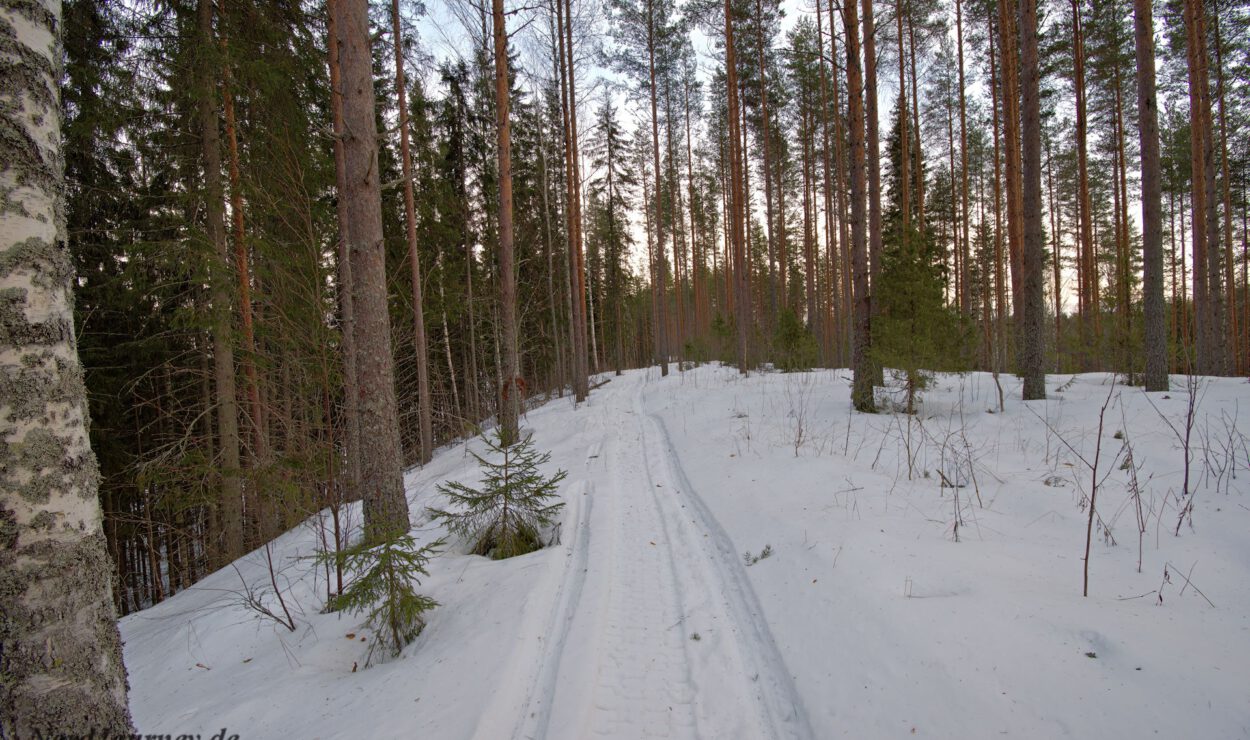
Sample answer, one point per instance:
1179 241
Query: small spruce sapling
505 515
916 332
794 347
383 586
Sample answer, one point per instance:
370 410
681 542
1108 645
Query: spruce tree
383 585
915 331
503 517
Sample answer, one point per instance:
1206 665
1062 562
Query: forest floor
744 557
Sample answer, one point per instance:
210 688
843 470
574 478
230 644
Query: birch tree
62 660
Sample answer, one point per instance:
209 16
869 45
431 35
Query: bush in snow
383 586
505 515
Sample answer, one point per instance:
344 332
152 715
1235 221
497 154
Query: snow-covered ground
923 577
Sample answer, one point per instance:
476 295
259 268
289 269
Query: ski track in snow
658 570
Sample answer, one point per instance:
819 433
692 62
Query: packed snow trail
657 633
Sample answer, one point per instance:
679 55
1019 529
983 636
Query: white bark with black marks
62 664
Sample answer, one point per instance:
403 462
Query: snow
868 618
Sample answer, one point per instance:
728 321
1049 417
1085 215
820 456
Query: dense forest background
918 185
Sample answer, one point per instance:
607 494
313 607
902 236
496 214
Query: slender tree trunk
425 413
549 249
1155 326
809 264
1007 34
1000 282
737 192
1056 231
674 215
1087 290
223 347
351 405
766 145
965 295
1032 335
828 343
873 122
510 392
260 436
696 258
62 659
1232 353
1198 101
861 344
918 164
381 460
581 381
1120 216
661 296
904 135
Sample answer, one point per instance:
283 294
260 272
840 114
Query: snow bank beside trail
890 626
201 661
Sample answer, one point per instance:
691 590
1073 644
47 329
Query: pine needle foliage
504 516
383 587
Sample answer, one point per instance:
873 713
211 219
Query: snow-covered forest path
658 633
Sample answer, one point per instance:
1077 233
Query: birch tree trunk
62 660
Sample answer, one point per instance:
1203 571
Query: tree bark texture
381 460
59 647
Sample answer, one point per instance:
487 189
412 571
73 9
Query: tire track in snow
619 661
641 685
741 659
536 712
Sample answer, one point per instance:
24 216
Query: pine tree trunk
1087 291
918 163
1152 220
424 412
737 193
904 135
511 393
766 146
351 406
223 347
62 659
965 294
1032 335
1196 60
861 344
661 290
260 437
1232 361
381 460
832 318
580 379
873 122
1007 16
1000 284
